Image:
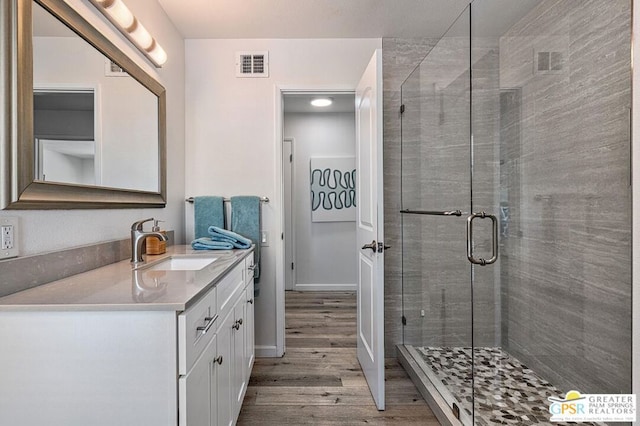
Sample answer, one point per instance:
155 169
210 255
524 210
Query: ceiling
301 103
312 18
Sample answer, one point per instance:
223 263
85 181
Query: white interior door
370 247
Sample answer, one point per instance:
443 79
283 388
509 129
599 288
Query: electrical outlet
8 237
264 239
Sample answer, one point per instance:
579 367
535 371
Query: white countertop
119 287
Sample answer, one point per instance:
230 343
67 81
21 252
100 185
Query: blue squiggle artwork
333 189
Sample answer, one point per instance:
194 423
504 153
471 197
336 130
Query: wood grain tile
335 415
319 380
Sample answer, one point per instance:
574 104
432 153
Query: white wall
42 231
231 130
126 110
325 258
58 167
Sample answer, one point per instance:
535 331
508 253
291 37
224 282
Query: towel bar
227 200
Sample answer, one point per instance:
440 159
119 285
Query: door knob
373 246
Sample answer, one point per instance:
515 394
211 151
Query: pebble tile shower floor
507 392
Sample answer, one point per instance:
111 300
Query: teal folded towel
220 239
207 211
245 220
230 237
206 243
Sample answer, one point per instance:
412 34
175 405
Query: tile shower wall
566 237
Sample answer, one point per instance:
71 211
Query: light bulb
120 13
158 54
141 35
321 102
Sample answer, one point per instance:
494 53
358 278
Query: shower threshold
506 391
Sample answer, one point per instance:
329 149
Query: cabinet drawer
228 290
196 327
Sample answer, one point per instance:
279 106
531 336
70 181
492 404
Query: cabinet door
225 396
239 379
249 349
197 390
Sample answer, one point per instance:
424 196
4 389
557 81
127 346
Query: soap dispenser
154 245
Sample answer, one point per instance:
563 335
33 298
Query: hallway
319 380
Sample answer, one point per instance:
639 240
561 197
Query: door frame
279 91
292 223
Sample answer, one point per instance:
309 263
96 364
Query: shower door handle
494 239
434 212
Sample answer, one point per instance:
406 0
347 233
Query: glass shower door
516 208
550 148
437 305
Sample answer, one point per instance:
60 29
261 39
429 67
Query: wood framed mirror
55 67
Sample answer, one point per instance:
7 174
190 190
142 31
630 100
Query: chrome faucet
137 238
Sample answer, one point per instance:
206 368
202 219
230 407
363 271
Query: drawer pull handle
208 323
250 301
219 360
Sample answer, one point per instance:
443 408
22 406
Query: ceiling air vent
252 64
111 69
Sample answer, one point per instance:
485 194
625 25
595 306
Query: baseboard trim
266 351
325 287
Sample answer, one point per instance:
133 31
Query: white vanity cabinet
239 342
198 389
213 387
86 351
250 347
225 414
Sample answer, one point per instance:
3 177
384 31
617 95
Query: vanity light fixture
321 102
120 16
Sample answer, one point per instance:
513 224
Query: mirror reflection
93 123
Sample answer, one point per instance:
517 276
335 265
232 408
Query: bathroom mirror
83 125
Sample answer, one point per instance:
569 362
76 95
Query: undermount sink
182 263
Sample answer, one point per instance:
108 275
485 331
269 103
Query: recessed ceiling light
321 102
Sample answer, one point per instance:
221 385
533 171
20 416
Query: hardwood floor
319 380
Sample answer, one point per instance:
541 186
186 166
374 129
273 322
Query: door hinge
402 109
404 320
292 266
290 158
